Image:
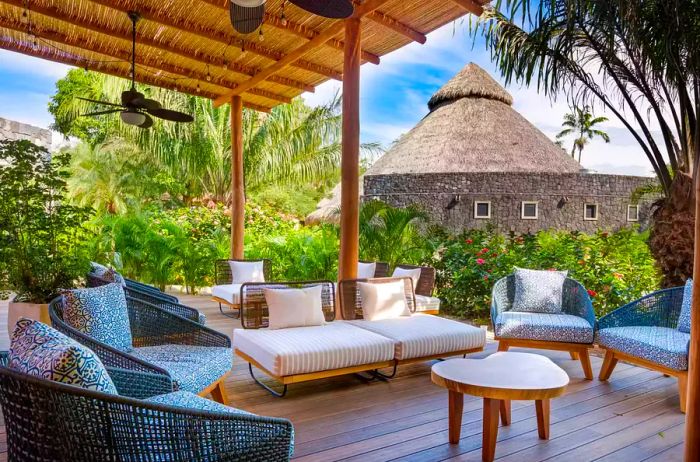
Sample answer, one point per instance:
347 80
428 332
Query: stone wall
12 130
449 198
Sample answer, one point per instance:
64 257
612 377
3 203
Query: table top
503 375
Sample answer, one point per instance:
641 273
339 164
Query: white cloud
20 63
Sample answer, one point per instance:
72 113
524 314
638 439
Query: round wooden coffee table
500 378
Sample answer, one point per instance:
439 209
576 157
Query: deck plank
634 416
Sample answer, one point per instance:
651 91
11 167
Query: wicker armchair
381 270
644 332
426 282
94 280
47 420
571 331
223 276
162 331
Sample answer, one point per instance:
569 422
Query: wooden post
237 183
350 164
692 416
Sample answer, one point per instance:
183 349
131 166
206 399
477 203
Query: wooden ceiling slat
394 24
108 68
297 29
338 26
471 6
149 14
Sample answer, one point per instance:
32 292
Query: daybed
299 354
227 292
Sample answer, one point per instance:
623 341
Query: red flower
592 293
480 261
469 241
484 250
486 278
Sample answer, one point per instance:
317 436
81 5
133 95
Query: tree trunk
672 232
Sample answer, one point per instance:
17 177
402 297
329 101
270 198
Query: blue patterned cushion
538 291
542 326
193 368
188 400
660 345
101 313
39 350
684 318
108 274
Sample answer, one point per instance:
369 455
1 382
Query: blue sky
394 95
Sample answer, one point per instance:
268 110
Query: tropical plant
638 60
581 123
41 234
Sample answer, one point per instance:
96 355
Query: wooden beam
320 39
692 416
124 55
297 29
156 15
237 180
124 34
393 24
350 163
471 6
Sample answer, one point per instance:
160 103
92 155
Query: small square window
590 212
632 213
482 209
529 210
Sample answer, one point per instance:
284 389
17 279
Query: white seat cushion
229 292
299 350
422 335
424 303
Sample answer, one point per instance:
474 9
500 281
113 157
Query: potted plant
41 235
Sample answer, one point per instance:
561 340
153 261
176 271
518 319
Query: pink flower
485 250
486 278
592 293
480 261
469 241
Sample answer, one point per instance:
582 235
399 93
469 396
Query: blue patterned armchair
185 354
571 330
649 332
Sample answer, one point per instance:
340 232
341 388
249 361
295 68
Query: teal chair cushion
684 318
541 326
39 350
660 345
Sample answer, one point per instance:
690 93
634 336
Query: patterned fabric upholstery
661 345
422 335
538 291
193 368
108 274
542 326
299 350
101 313
187 400
39 350
425 303
684 318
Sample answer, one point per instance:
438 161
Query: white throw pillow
414 274
246 271
294 307
383 301
366 270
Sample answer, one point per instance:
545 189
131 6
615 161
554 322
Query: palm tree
581 123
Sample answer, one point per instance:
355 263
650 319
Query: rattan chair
426 282
50 421
222 276
151 326
351 303
381 270
571 331
644 332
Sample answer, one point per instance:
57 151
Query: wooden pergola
190 46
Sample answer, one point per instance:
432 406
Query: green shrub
615 267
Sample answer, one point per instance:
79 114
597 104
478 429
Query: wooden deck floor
634 417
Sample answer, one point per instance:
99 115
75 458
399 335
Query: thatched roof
473 128
328 209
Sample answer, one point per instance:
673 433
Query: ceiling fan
248 15
135 108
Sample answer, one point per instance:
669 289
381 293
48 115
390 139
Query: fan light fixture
132 117
246 15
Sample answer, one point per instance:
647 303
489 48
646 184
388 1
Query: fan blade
145 103
168 114
110 111
104 103
336 9
148 123
129 96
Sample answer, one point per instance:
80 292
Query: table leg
488 444
542 407
456 405
505 412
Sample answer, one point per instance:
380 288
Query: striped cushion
424 303
299 350
422 335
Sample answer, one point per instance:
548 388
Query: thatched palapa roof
472 127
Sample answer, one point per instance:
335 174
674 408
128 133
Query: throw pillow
414 274
101 313
383 300
246 271
294 307
39 350
366 270
538 291
684 318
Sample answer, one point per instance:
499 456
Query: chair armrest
131 284
658 309
577 302
165 302
151 326
139 385
500 301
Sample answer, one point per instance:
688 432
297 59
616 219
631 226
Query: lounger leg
229 315
381 376
683 390
502 345
219 393
586 363
272 391
609 363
